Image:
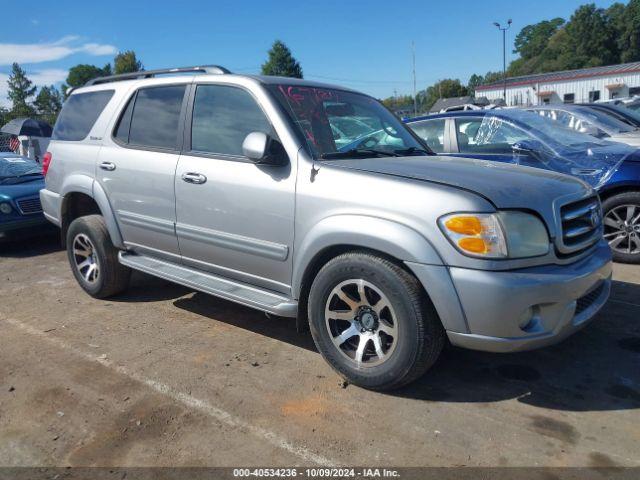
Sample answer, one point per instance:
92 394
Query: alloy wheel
85 258
622 228
361 322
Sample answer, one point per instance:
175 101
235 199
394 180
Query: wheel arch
86 197
346 233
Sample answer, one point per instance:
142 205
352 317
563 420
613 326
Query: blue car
20 183
518 136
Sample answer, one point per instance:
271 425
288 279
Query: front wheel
372 322
622 226
94 259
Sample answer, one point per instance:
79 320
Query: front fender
392 238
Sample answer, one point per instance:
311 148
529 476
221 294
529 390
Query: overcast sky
364 45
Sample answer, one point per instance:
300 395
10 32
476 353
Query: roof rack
211 69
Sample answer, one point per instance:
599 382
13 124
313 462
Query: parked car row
574 139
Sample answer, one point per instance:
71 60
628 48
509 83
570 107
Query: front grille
29 206
587 300
581 225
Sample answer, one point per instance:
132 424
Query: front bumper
528 308
23 223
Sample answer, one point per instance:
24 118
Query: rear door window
156 116
431 131
79 114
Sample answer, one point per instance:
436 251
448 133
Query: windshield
625 112
341 124
606 120
554 133
15 168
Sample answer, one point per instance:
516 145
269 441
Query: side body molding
395 239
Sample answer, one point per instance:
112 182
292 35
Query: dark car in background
525 138
20 183
620 112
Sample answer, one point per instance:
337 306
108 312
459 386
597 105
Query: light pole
504 55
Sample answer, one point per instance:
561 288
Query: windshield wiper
412 151
358 153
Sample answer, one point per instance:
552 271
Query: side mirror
262 149
590 130
526 147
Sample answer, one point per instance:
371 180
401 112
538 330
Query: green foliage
592 37
82 73
474 81
281 62
626 21
398 102
21 89
126 62
446 88
48 104
532 39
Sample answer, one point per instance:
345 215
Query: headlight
5 208
506 234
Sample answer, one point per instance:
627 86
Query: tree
626 22
475 81
446 88
532 39
21 89
81 74
590 39
398 102
48 103
127 62
281 62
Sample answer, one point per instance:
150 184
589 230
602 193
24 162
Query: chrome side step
238 292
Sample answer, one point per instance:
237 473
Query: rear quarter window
79 114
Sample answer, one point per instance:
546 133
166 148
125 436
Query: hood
19 190
504 185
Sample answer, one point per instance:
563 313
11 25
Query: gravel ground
164 376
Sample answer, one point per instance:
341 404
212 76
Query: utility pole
415 98
504 55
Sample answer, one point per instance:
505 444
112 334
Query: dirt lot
166 376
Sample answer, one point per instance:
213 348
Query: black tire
111 277
608 206
420 335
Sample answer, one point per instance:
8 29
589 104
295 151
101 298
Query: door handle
191 177
110 167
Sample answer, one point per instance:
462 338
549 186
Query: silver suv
312 201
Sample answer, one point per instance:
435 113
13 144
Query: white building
569 86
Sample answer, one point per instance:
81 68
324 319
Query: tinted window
156 115
223 117
122 130
490 135
432 131
79 114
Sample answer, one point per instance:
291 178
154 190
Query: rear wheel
94 259
622 226
372 322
